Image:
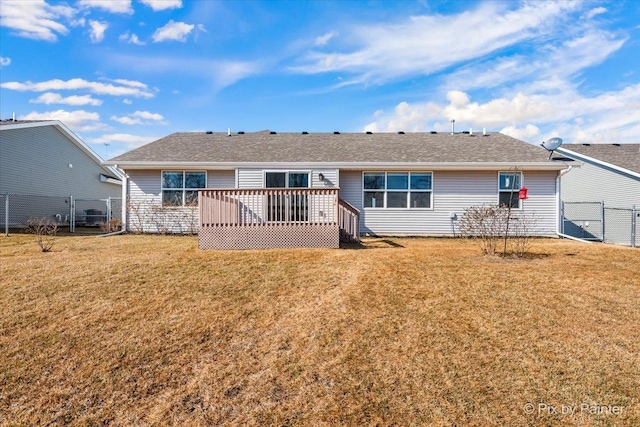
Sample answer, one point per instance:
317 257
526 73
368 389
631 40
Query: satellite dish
551 145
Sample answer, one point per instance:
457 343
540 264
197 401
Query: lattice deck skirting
269 236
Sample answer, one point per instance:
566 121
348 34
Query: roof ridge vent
336 133
586 145
273 132
369 132
208 132
400 132
616 144
241 132
304 132
433 132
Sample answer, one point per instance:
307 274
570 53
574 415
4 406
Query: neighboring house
415 184
600 196
44 167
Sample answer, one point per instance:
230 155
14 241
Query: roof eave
544 165
584 157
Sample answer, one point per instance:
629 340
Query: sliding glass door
287 207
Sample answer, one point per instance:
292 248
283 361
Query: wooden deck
275 218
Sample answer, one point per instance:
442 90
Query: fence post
602 212
634 225
6 215
72 215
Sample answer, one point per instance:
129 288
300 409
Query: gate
597 222
96 215
584 220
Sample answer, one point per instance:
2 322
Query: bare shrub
491 224
485 224
114 224
46 231
135 212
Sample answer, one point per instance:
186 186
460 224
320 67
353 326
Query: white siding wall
36 161
591 183
146 212
254 178
452 193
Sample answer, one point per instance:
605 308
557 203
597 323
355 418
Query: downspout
559 223
125 200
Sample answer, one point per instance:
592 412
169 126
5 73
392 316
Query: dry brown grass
148 330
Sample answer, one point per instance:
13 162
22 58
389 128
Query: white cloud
97 31
140 118
131 83
81 84
131 141
127 101
610 116
222 73
49 98
78 120
113 6
5 61
177 31
131 39
162 4
596 11
35 19
434 42
324 39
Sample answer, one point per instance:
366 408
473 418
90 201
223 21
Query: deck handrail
349 221
268 206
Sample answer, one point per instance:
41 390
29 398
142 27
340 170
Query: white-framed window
509 185
404 190
180 188
287 179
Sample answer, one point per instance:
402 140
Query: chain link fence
597 222
83 216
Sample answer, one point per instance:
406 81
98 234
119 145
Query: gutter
465 166
560 223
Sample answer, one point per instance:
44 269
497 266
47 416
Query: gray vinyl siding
453 192
221 179
254 178
35 161
146 213
593 183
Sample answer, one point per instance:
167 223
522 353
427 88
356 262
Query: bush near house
148 330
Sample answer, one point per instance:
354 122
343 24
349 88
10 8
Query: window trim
515 191
286 179
408 190
183 189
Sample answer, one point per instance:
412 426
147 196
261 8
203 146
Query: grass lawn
149 330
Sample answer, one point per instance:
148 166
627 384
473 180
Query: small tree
46 231
522 233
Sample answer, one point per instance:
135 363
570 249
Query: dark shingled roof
626 156
19 122
265 147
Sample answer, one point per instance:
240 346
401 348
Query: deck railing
349 222
268 206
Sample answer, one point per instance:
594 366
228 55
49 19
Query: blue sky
123 73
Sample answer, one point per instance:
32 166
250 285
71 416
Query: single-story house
44 166
412 184
600 196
